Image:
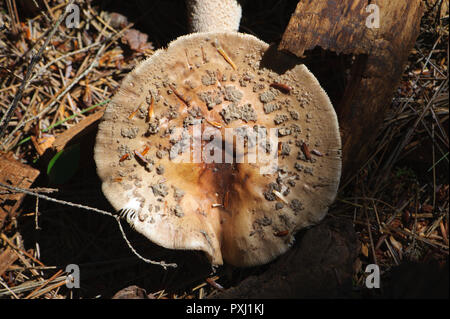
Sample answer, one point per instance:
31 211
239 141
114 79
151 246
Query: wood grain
76 131
14 173
374 60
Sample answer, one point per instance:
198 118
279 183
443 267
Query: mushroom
220 144
163 144
213 15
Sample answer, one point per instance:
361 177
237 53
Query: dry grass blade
36 291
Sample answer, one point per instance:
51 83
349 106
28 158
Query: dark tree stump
320 265
358 66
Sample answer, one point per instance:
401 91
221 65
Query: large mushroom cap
210 83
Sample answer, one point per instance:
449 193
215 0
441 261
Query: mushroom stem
213 15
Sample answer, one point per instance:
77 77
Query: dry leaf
397 245
87 97
136 40
43 143
444 9
117 20
365 250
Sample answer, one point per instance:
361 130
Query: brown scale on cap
230 211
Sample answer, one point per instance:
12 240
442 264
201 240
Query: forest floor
399 205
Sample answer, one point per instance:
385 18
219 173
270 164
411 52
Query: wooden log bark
7 257
14 173
358 65
78 130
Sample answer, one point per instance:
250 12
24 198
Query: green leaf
65 120
63 166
